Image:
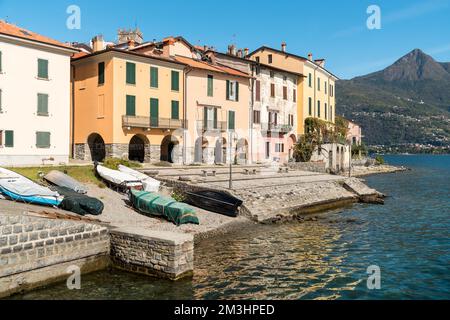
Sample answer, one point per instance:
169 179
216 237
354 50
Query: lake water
408 239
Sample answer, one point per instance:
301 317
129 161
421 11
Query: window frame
40 113
49 140
175 103
47 76
177 87
101 73
210 85
128 80
154 77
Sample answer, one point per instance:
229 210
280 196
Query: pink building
354 135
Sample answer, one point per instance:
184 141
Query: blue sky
335 30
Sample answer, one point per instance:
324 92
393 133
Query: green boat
157 205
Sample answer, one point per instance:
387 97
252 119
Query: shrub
113 163
178 196
379 160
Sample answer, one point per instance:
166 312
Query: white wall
20 87
340 156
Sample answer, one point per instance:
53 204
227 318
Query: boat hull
215 201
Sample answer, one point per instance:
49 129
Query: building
216 101
34 98
128 105
354 135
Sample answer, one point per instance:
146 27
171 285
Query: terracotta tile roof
79 55
207 66
17 32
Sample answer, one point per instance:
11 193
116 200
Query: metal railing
211 125
272 127
151 122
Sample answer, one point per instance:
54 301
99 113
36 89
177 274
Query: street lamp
230 185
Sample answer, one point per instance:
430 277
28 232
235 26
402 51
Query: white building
34 98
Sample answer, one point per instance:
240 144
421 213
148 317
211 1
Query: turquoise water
408 238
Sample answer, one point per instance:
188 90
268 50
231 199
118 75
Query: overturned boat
121 180
157 205
149 184
79 203
215 201
19 188
61 179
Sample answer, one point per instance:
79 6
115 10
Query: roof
21 33
207 66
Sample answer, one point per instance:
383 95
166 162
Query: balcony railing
151 122
211 125
272 127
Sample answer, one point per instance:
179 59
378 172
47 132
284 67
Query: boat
215 201
19 188
61 179
149 184
79 203
121 180
156 205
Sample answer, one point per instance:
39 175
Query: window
175 81
131 73
175 110
154 112
318 109
42 104
257 89
210 86
256 116
131 106
270 59
326 111
42 139
310 106
279 147
310 80
209 118
9 139
272 74
1 66
285 95
232 90
267 150
101 73
42 69
257 59
291 120
231 120
154 77
318 84
101 106
257 70
272 90
294 95
332 90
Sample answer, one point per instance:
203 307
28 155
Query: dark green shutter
131 73
131 105
237 91
210 86
42 104
154 77
228 89
43 139
154 112
42 69
101 73
9 139
205 118
231 120
318 109
310 106
175 110
175 81
215 118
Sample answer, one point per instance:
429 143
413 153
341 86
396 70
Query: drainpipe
187 70
252 106
73 109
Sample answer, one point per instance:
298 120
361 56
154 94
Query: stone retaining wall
318 167
156 253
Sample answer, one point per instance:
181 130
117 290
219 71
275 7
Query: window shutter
42 69
43 139
175 81
154 81
237 91
310 106
175 110
228 89
205 118
131 73
231 120
154 112
9 138
318 109
42 104
131 106
326 111
101 73
210 86
215 118
258 90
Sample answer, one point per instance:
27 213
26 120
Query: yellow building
127 105
316 88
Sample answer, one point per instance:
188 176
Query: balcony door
154 113
210 118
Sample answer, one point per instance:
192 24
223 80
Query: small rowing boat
61 179
150 184
119 179
215 201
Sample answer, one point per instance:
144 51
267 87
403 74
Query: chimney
239 53
232 50
131 44
98 44
310 56
283 47
320 62
246 52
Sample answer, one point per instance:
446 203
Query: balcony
211 125
152 123
276 127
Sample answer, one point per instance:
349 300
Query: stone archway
139 149
170 149
292 140
220 151
242 151
97 148
201 150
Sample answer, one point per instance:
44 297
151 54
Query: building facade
354 135
34 98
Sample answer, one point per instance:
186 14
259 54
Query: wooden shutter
228 89
326 111
210 86
42 104
318 109
310 106
258 90
131 73
237 91
294 95
43 139
131 105
42 69
205 118
272 90
9 139
285 93
215 118
101 73
154 112
175 81
231 120
154 77
175 110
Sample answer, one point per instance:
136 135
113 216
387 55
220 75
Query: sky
330 29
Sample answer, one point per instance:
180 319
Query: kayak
215 201
119 179
60 179
19 188
157 205
150 184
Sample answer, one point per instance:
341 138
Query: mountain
406 103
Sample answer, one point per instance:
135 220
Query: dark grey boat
215 201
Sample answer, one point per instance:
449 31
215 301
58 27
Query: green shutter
228 89
175 81
210 86
154 77
175 110
237 91
310 106
215 118
43 139
231 120
9 139
154 112
131 73
318 109
42 109
101 73
205 118
42 69
131 105
310 80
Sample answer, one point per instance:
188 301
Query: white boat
120 179
19 188
61 179
150 184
